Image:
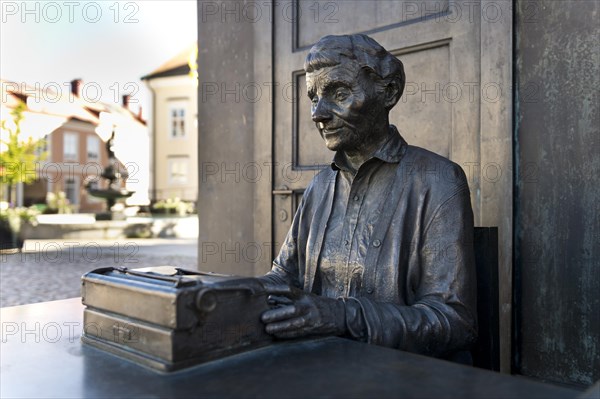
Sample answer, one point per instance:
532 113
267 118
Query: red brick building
75 133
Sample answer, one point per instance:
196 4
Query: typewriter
167 318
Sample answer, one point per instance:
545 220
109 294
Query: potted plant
11 223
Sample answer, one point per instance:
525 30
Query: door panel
425 106
317 19
421 111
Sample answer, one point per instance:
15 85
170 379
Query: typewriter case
168 318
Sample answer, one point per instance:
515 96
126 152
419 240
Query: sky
109 44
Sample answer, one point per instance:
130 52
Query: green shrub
58 203
174 206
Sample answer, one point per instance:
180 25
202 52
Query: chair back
486 352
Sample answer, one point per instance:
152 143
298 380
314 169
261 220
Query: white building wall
172 151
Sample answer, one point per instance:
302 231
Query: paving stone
51 270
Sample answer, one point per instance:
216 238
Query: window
93 148
72 191
177 119
70 147
178 170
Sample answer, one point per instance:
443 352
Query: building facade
174 128
75 133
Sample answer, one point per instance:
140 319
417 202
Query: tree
18 158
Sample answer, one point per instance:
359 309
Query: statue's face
345 106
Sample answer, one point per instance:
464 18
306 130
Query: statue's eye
341 94
314 100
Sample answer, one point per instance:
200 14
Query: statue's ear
392 94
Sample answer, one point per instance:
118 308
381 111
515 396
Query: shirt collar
391 151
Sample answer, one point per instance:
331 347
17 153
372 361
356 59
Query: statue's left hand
297 314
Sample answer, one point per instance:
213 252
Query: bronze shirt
396 242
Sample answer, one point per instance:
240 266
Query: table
42 356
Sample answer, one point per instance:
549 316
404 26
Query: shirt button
369 290
356 198
341 288
346 242
376 243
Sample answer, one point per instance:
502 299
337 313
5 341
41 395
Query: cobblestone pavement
48 270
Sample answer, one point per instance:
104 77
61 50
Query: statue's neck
355 158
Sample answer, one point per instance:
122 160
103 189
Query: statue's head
353 83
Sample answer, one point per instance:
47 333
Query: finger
279 314
292 334
279 300
277 289
286 327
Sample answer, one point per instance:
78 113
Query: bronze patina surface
381 247
54 364
168 318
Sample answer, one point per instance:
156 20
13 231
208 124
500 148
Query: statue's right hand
295 313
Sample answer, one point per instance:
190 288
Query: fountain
115 174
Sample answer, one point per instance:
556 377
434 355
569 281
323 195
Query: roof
44 101
176 66
62 104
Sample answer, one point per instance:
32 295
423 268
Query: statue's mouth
330 131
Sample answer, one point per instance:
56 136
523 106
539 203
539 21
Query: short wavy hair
360 50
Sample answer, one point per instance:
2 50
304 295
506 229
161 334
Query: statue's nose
321 113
